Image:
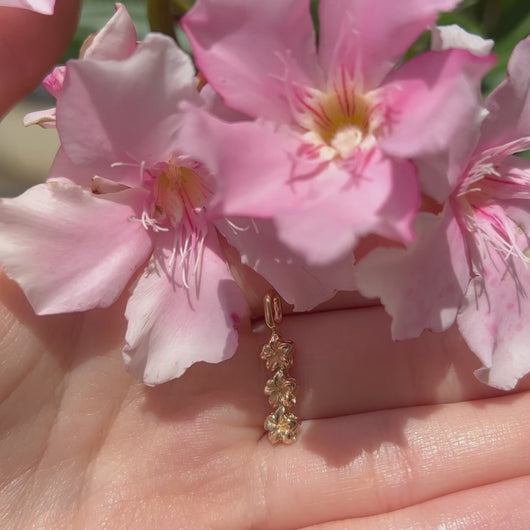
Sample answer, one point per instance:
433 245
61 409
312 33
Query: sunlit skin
30 44
392 435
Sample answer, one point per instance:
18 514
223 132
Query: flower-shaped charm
280 390
277 353
282 426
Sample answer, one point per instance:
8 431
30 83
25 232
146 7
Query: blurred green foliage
505 21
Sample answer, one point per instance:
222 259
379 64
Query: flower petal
116 40
253 162
63 167
420 287
435 96
517 210
513 181
435 101
494 319
296 281
170 326
247 49
509 103
53 82
367 37
43 118
40 6
215 106
453 36
70 250
345 201
113 112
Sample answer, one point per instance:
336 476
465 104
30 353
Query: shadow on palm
361 399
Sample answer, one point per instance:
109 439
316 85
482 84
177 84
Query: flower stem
182 6
160 16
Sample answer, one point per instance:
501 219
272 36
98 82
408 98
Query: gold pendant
282 425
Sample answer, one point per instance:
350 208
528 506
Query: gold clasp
273 310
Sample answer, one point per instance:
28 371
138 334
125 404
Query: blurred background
26 153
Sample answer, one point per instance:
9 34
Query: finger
30 44
345 362
374 463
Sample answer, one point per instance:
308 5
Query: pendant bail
272 307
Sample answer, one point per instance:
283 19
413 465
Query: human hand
30 44
392 435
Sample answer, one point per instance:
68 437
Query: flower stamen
483 216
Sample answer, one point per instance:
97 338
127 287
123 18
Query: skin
393 435
30 44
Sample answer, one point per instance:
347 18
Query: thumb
30 44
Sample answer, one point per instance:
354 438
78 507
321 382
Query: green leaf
503 49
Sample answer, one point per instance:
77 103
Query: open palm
393 435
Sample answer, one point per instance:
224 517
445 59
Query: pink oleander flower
40 6
124 197
299 283
115 41
471 261
353 116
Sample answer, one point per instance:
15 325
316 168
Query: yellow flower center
340 119
177 191
343 120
